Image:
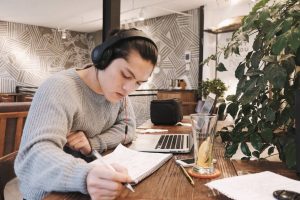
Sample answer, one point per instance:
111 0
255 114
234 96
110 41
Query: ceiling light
141 15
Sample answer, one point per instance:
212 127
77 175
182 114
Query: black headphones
101 54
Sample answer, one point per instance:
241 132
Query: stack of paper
254 186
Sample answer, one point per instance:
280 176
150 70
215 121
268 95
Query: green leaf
225 136
286 25
267 135
221 110
249 95
259 5
256 141
246 109
276 75
249 54
211 57
227 51
231 98
245 158
270 115
231 149
263 15
240 70
256 154
270 58
236 50
294 39
221 67
262 83
232 109
271 150
245 149
279 45
257 44
240 126
266 27
289 65
285 116
253 72
256 58
245 37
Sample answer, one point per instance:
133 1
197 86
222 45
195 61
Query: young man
82 110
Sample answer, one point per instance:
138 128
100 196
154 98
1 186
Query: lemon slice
203 154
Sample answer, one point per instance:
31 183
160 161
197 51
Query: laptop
164 143
208 104
170 143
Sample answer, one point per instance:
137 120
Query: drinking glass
204 129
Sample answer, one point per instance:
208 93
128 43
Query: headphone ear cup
105 59
101 60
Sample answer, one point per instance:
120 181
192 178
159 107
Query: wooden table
169 183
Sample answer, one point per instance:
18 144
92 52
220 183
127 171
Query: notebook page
139 164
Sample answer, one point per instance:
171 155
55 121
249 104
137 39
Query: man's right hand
103 183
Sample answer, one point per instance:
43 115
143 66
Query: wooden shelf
187 97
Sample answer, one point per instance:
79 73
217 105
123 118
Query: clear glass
204 129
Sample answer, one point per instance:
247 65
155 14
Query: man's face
122 77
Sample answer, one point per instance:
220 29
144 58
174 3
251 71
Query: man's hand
103 183
78 141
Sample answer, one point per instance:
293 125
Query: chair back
12 120
7 172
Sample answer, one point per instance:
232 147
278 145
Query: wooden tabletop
169 183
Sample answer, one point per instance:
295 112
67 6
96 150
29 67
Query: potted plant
263 106
217 87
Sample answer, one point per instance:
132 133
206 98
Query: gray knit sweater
64 103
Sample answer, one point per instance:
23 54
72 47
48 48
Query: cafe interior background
40 38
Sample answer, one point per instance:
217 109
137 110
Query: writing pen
100 158
189 178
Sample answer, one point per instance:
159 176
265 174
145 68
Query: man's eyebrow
132 74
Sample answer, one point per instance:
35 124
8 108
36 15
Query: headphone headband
127 34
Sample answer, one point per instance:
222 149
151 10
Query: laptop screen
208 104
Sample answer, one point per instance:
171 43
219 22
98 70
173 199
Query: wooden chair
7 172
12 119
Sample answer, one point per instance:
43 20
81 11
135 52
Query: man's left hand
78 141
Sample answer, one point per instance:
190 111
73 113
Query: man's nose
129 86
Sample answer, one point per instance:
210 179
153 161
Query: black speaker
166 111
297 119
101 54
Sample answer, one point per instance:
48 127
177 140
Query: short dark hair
146 49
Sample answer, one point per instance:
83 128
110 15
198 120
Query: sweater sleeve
115 135
41 164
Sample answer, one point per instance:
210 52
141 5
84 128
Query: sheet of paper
149 130
254 186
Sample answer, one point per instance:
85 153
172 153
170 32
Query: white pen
100 158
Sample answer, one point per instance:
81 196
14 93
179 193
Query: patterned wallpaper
174 35
29 54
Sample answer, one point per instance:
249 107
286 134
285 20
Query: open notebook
139 164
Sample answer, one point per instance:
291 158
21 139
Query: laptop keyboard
170 142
